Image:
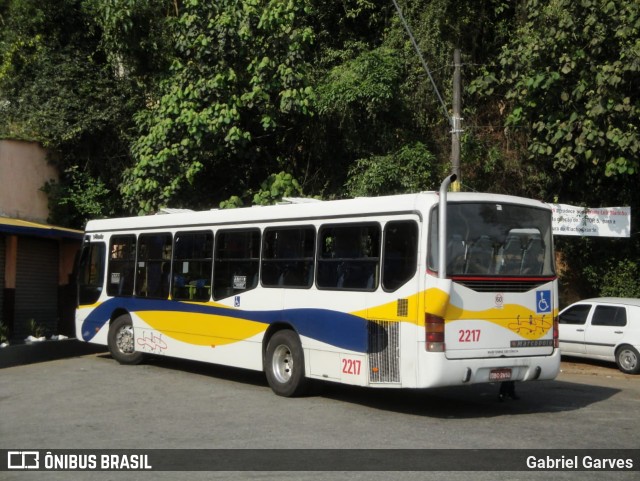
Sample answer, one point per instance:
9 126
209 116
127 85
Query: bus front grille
384 352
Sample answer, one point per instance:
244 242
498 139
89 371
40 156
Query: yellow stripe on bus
211 330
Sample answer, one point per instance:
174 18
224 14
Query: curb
29 353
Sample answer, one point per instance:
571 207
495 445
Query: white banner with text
594 222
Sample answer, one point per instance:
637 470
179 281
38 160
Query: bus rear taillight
434 333
556 331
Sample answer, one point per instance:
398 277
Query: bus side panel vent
403 307
384 353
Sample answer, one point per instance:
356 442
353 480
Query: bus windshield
494 239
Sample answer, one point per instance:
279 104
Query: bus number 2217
351 366
469 335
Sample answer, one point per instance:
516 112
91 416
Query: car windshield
494 239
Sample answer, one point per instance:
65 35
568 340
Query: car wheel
628 360
284 364
122 342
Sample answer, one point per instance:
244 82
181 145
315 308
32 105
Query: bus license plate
500 375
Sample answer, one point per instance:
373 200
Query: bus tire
628 360
122 342
284 364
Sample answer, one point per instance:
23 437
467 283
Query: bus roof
418 203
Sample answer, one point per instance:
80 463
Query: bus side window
287 257
122 257
236 263
400 256
154 265
192 263
349 257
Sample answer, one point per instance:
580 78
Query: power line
424 63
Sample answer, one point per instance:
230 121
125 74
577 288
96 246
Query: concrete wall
23 172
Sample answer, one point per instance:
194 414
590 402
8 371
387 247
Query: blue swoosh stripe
337 328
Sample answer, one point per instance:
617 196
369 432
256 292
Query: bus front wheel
284 364
122 342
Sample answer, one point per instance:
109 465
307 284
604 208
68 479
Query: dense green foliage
219 123
569 78
566 85
187 103
65 84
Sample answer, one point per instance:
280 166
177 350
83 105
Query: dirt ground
588 367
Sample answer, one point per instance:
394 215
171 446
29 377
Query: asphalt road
92 402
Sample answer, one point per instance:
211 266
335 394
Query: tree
237 85
276 187
569 77
413 168
374 97
61 86
78 200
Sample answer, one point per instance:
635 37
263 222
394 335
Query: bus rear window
493 239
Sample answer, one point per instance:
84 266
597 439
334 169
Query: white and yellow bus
370 291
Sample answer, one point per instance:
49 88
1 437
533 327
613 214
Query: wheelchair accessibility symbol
543 301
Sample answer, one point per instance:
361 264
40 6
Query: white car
606 328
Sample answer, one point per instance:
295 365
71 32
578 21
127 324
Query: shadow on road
217 371
459 402
477 400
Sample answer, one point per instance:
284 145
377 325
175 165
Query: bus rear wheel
122 342
284 364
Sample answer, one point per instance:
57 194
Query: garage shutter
36 286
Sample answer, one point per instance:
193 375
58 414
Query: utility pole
455 123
